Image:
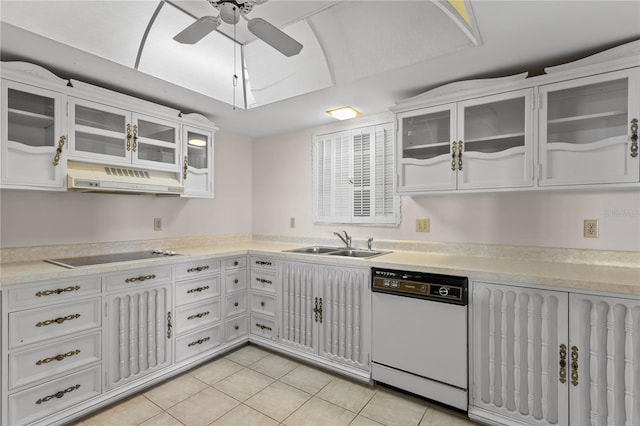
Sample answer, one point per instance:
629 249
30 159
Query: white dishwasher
419 334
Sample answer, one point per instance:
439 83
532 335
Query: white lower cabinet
553 357
326 311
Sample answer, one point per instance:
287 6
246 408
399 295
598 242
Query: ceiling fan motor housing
228 9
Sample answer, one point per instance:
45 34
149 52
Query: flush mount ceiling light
344 113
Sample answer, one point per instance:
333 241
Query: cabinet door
197 167
139 333
425 158
155 143
99 132
345 304
33 138
495 141
585 130
604 336
518 336
297 300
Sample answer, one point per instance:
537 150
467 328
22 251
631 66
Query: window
353 177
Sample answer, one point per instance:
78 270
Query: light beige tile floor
253 386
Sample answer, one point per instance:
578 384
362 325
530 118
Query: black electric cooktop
74 262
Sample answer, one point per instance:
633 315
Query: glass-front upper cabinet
33 138
103 133
197 164
480 143
586 130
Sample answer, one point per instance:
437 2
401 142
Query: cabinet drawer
236 328
46 361
137 277
263 263
198 342
262 326
236 262
53 292
34 403
197 268
263 303
235 281
197 315
197 290
39 324
263 280
236 304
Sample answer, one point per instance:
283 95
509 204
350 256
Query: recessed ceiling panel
109 29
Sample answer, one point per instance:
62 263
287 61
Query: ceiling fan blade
196 31
274 37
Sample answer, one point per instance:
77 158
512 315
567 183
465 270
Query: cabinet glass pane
197 150
155 131
30 118
426 136
495 126
97 119
589 113
156 153
100 144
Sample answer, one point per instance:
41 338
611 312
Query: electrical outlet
591 228
157 224
423 225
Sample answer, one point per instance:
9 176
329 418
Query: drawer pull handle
263 281
235 263
236 304
198 268
58 357
58 394
198 289
140 278
262 262
198 315
58 320
198 342
56 158
263 327
563 363
236 281
237 327
262 303
57 291
574 365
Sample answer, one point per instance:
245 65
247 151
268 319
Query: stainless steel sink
314 250
356 253
337 251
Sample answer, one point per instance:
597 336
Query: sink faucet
346 239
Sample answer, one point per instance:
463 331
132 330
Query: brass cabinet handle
58 394
135 138
128 137
574 365
169 326
56 158
198 289
263 263
58 320
185 167
563 363
634 137
459 155
317 310
140 278
263 327
198 315
453 156
198 269
320 307
58 357
57 291
198 342
263 281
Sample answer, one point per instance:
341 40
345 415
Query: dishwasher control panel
437 287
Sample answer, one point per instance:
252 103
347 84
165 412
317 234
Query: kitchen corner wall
35 218
282 190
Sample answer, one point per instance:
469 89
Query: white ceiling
390 54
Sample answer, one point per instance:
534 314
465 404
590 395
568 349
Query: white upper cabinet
586 130
103 133
33 132
197 157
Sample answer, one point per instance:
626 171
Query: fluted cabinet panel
298 305
138 333
517 338
605 344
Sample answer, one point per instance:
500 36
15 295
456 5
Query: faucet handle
370 243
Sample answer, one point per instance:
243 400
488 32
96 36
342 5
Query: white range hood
83 177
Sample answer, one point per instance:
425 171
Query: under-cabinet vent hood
84 177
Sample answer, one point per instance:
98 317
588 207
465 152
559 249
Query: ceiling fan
230 13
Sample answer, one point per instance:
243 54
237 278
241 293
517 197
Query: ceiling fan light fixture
343 113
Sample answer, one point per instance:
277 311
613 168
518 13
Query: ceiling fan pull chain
235 48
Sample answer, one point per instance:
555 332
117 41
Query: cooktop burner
74 262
